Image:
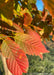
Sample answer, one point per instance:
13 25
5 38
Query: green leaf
18 8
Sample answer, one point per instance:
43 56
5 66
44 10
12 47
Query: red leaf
18 64
17 61
37 46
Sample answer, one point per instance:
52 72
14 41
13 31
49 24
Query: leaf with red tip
31 43
40 48
17 61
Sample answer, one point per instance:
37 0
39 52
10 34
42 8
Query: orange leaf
27 19
49 4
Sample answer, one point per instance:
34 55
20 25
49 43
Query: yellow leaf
41 32
16 13
6 20
6 1
25 11
26 3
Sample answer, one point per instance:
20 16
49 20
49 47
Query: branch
7 72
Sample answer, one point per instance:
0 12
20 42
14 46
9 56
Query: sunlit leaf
8 21
17 61
38 44
31 43
41 32
26 11
17 10
6 1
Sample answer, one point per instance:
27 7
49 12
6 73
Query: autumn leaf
6 1
8 21
27 19
25 11
41 32
18 28
17 61
31 43
39 47
49 4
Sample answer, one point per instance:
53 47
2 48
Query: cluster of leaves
38 66
22 27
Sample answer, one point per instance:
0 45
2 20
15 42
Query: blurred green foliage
36 65
1 67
